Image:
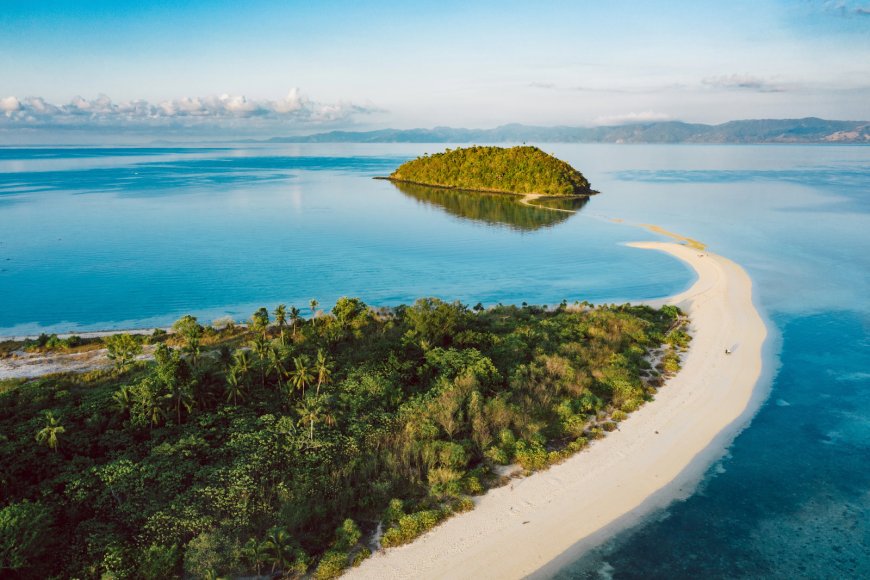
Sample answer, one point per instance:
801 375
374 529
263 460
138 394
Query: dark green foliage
511 170
257 451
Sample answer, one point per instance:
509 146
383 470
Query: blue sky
287 67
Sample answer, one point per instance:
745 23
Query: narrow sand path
545 521
529 198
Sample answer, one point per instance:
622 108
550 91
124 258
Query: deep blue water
107 238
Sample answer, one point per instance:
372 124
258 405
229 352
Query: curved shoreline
543 522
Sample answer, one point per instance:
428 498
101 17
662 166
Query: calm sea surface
118 238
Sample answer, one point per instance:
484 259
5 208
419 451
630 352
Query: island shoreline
591 192
543 522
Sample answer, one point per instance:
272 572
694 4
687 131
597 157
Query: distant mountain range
808 130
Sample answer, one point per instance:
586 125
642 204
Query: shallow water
102 239
139 239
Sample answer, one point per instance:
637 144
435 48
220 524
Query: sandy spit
539 524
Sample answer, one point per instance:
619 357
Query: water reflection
494 208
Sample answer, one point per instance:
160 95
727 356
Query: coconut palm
301 374
235 387
313 409
256 553
276 365
313 305
123 399
281 319
48 435
323 368
260 321
295 316
261 346
279 546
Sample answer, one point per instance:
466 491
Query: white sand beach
542 522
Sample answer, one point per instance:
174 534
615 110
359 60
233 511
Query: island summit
518 170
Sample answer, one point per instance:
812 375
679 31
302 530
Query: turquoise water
101 239
106 238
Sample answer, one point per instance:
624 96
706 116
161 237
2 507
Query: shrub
410 526
531 456
331 565
619 415
360 556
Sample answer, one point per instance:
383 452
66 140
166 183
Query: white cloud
10 105
188 111
626 118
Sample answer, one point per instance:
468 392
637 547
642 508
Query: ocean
96 239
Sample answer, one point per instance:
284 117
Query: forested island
290 446
520 170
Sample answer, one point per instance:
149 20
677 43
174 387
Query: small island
519 170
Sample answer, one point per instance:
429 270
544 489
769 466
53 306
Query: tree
235 387
48 435
256 553
279 544
281 320
123 399
173 374
312 409
323 368
122 349
191 332
261 346
24 527
260 322
295 317
301 374
276 364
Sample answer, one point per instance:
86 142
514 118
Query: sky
265 67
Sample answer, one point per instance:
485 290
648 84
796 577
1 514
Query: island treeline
522 169
294 446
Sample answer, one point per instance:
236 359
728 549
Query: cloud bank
223 110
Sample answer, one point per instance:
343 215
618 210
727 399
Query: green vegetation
278 447
507 170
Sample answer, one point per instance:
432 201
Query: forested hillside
512 170
279 446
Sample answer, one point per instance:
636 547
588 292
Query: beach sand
540 523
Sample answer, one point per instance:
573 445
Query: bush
331 565
531 456
411 526
360 556
619 415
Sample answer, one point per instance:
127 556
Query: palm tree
324 370
311 410
48 435
260 321
260 345
256 553
294 318
279 544
123 399
242 362
301 375
182 398
313 305
235 387
276 364
281 319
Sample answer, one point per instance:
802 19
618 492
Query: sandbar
538 524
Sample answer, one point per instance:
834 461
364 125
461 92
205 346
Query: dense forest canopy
510 170
278 447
